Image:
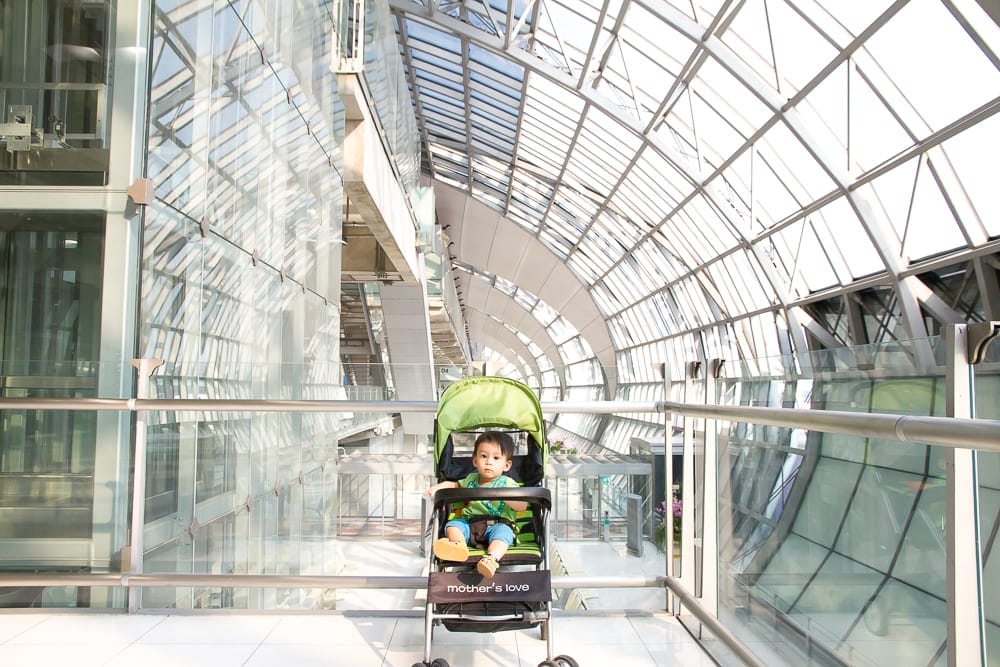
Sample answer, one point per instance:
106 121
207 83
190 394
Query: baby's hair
503 440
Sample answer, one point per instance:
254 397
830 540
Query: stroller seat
529 539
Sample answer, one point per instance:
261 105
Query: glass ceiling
709 169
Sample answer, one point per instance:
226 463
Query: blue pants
497 531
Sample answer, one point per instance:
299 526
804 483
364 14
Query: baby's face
489 461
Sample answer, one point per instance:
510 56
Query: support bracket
980 335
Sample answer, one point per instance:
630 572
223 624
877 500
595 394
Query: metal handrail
126 579
979 434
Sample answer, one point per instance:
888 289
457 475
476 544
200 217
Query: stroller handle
535 495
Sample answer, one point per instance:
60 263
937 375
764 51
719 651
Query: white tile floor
293 640
604 635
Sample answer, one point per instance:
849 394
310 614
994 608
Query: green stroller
519 595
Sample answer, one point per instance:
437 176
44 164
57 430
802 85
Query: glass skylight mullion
522 206
428 57
608 298
444 105
491 166
601 152
482 181
604 235
527 211
507 82
437 86
646 35
427 34
641 72
624 231
642 192
493 146
730 98
807 181
552 135
489 98
442 90
486 172
555 240
573 210
446 120
440 136
545 94
672 244
584 265
531 191
537 154
837 221
926 80
495 124
619 332
451 170
978 184
485 58
631 317
631 276
722 280
650 323
619 291
799 50
918 211
699 229
810 262
653 264
488 192
600 254
691 306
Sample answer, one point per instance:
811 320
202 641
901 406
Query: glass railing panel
63 473
842 537
987 405
237 492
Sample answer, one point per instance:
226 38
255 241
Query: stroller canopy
488 402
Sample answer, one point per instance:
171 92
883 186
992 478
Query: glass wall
240 289
835 544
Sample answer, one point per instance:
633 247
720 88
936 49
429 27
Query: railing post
668 483
688 484
145 367
710 526
966 636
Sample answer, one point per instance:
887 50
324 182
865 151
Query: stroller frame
519 595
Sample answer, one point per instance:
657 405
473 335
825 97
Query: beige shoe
445 549
487 566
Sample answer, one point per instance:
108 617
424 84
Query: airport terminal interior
744 255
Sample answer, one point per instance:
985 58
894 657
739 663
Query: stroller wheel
439 662
565 661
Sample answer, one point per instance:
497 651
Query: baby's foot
487 566
445 549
